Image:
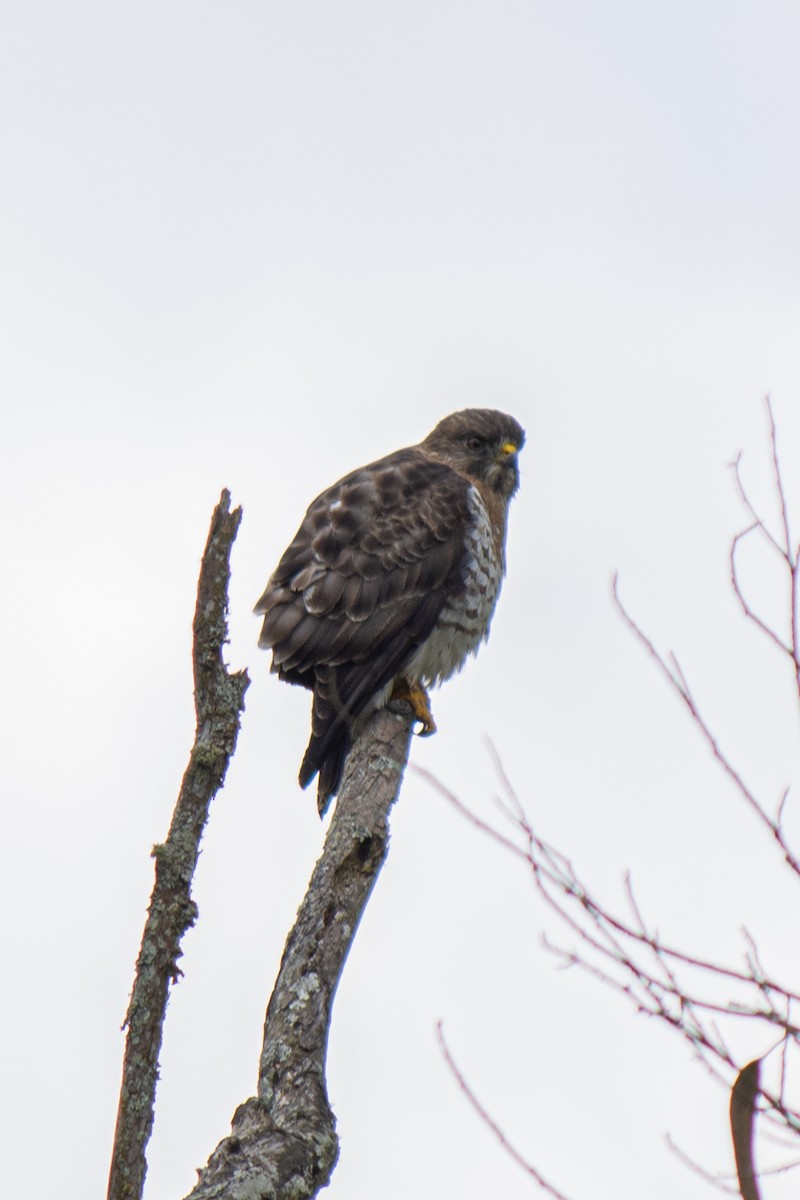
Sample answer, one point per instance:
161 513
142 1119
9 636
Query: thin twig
745 606
716 1180
792 554
757 521
677 681
610 948
789 553
491 1124
773 441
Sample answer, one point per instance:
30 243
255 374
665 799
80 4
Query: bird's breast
464 621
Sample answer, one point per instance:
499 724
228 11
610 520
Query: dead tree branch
283 1143
219 702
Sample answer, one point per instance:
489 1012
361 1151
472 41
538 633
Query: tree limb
283 1141
219 702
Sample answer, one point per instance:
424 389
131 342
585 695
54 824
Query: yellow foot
415 695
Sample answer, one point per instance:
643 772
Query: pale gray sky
255 245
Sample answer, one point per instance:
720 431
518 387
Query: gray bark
219 701
283 1143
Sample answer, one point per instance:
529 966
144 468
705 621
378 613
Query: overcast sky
254 246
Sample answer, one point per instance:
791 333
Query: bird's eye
474 442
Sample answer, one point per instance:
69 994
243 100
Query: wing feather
361 587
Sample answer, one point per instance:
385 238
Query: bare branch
219 701
757 521
283 1143
491 1124
677 681
789 553
716 1180
555 876
660 980
472 817
792 554
773 441
746 609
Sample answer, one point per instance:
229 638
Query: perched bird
391 581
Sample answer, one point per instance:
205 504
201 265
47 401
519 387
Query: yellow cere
508 448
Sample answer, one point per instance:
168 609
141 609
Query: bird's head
482 444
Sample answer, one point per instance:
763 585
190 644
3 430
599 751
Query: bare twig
658 978
788 552
773 441
716 1180
674 675
555 871
219 701
792 554
492 1124
749 612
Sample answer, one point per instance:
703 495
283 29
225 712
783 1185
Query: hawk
391 581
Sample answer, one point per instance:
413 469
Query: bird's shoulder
388 514
378 549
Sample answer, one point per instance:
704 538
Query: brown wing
360 589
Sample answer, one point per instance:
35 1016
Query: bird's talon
415 695
427 728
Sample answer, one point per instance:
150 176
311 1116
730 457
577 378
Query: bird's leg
415 695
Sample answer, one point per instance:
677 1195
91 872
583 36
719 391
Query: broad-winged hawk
391 581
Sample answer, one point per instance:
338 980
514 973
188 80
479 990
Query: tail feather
330 769
330 740
342 696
